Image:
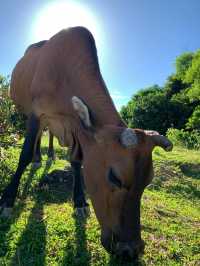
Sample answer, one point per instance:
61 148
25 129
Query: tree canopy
176 104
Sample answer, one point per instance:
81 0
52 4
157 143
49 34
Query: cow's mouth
125 250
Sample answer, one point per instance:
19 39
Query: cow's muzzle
125 250
129 250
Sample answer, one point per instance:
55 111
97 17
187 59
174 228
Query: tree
180 109
12 123
194 120
175 105
183 62
174 85
148 110
158 109
192 76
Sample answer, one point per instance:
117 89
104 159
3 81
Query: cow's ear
82 110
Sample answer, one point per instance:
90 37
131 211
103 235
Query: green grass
43 230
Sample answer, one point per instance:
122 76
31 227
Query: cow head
117 167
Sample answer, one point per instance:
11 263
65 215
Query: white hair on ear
151 132
82 110
129 138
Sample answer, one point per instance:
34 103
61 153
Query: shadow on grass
31 246
5 224
185 189
181 188
79 256
191 170
81 243
118 262
148 229
177 179
32 242
59 153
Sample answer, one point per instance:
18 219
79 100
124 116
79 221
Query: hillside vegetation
43 230
174 108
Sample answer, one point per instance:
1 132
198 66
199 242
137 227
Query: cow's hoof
50 160
51 157
82 213
5 212
36 165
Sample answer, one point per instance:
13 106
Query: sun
63 14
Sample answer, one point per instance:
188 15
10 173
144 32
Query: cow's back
22 77
69 66
48 77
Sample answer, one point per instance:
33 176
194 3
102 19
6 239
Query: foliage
194 120
152 108
43 230
145 110
183 63
12 123
175 105
6 156
192 76
180 110
189 140
173 85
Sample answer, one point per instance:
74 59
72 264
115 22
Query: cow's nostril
129 250
126 253
124 250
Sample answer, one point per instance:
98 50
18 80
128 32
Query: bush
194 120
189 140
158 109
6 168
12 123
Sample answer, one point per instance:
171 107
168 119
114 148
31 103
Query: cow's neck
100 104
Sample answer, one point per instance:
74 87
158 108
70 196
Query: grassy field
43 230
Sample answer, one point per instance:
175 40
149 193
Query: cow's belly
56 114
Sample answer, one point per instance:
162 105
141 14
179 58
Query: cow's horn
128 138
160 140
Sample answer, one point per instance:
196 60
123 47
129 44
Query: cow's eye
113 179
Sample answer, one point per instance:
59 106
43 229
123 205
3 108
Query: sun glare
58 15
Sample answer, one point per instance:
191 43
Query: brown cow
20 92
69 96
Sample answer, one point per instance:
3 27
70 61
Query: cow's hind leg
9 194
80 204
51 154
37 158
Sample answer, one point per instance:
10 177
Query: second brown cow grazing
69 96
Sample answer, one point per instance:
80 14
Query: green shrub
189 140
6 168
194 120
12 123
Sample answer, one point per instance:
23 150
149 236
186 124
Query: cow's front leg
80 204
9 194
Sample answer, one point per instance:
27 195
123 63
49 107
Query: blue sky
137 44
